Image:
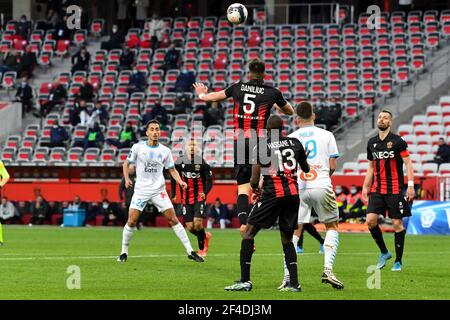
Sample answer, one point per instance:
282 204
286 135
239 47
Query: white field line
25 258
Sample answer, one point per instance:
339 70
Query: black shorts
395 205
265 213
242 164
196 210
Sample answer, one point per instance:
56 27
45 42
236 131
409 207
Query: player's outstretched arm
367 182
202 92
176 176
410 192
286 109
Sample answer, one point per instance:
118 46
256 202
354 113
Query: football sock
286 270
127 234
290 257
309 227
377 235
246 258
242 208
295 240
194 232
330 248
201 235
399 245
182 235
300 240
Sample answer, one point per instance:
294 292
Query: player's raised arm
202 92
287 109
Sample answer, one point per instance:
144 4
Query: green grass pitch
34 264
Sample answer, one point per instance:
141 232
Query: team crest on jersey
389 145
197 167
182 165
374 145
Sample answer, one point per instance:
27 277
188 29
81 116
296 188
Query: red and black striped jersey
279 166
253 101
198 177
387 159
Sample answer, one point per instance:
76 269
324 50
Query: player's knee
398 224
372 224
198 225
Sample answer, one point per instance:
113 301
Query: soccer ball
237 13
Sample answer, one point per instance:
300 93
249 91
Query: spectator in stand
111 213
94 138
158 112
27 63
23 27
183 104
213 115
40 211
141 12
126 58
58 136
99 114
93 211
9 62
86 92
50 22
156 29
443 153
8 212
122 13
355 209
185 81
57 96
218 213
171 59
62 32
232 212
341 199
126 139
81 60
24 95
115 41
77 204
332 114
137 82
79 113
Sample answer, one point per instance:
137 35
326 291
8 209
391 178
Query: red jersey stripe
191 199
394 176
200 189
279 190
404 153
261 120
383 177
375 179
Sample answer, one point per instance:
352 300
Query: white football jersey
321 145
150 163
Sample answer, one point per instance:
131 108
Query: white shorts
160 200
323 201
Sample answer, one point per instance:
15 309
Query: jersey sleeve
168 161
369 153
230 90
132 156
332 147
403 148
279 99
300 155
3 172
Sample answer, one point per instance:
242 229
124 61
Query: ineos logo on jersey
191 175
383 155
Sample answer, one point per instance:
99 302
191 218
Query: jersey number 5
249 105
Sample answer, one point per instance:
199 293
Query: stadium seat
350 168
444 169
429 169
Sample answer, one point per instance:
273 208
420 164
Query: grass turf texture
34 264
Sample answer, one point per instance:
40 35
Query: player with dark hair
315 188
253 101
151 158
198 177
279 199
387 152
